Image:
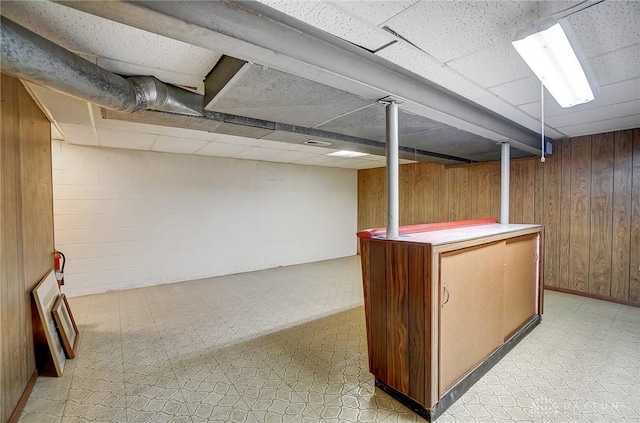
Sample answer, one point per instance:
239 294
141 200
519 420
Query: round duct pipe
29 56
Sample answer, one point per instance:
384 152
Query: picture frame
66 325
44 295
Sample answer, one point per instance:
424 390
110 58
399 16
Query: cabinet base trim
462 386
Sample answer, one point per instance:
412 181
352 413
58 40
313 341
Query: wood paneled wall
26 233
587 194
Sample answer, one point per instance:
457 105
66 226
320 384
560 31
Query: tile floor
289 345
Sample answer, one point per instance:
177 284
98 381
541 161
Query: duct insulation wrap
29 56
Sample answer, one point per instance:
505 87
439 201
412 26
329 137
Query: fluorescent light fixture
551 57
347 153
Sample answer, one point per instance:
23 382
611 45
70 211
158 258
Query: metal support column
504 182
393 202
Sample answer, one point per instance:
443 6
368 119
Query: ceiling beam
254 32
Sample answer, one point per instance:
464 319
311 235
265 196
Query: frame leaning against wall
66 324
45 294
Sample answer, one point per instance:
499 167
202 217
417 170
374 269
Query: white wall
127 218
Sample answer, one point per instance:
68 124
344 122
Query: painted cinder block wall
127 218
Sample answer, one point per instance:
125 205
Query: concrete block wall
127 218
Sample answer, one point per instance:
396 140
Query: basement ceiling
461 46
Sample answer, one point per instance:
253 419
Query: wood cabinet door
520 282
471 297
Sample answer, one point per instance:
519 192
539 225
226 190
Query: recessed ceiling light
347 153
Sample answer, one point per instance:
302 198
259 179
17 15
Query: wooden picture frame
66 324
44 295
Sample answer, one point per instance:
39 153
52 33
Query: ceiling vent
318 143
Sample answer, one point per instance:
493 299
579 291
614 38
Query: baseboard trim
15 416
594 296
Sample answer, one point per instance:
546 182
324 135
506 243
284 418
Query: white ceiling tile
125 139
616 66
315 150
427 67
187 133
358 164
257 153
522 91
616 124
63 108
511 112
122 125
277 145
629 108
324 16
290 156
620 92
374 12
81 135
321 160
220 149
85 33
493 66
177 145
374 158
232 139
607 26
451 29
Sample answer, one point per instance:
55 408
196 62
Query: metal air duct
33 58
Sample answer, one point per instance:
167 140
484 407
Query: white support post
393 202
504 182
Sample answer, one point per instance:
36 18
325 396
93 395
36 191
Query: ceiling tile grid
422 64
619 92
325 16
177 145
464 46
374 12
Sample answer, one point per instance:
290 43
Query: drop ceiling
463 47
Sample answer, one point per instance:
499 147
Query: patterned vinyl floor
289 345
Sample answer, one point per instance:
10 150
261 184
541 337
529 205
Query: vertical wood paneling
366 291
551 219
539 190
454 193
528 190
372 198
26 233
397 317
484 191
601 214
495 191
421 183
418 278
586 196
634 277
12 281
443 195
378 287
515 192
622 179
465 203
580 214
407 193
565 212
